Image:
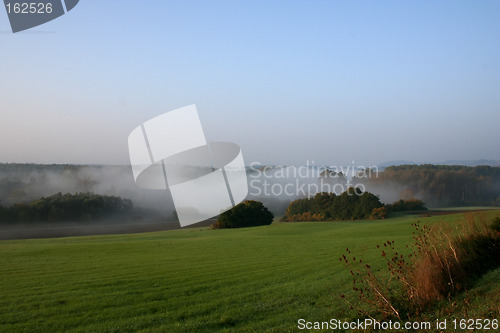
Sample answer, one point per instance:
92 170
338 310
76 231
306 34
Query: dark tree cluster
353 204
67 207
248 213
406 205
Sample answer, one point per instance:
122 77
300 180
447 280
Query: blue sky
289 81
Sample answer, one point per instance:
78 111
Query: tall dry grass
443 262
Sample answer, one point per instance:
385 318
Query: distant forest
440 185
54 193
67 207
22 183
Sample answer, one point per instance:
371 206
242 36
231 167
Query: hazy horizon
489 162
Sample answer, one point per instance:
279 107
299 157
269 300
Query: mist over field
275 186
21 183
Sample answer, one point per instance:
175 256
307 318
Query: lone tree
249 213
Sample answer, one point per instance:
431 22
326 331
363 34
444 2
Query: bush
378 213
305 217
249 213
406 205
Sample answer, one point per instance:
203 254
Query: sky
291 82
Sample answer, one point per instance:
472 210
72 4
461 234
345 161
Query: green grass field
195 280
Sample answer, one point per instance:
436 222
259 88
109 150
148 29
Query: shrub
378 213
306 217
249 213
406 205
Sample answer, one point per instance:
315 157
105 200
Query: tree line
67 207
352 204
441 185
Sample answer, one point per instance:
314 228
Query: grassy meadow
201 280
